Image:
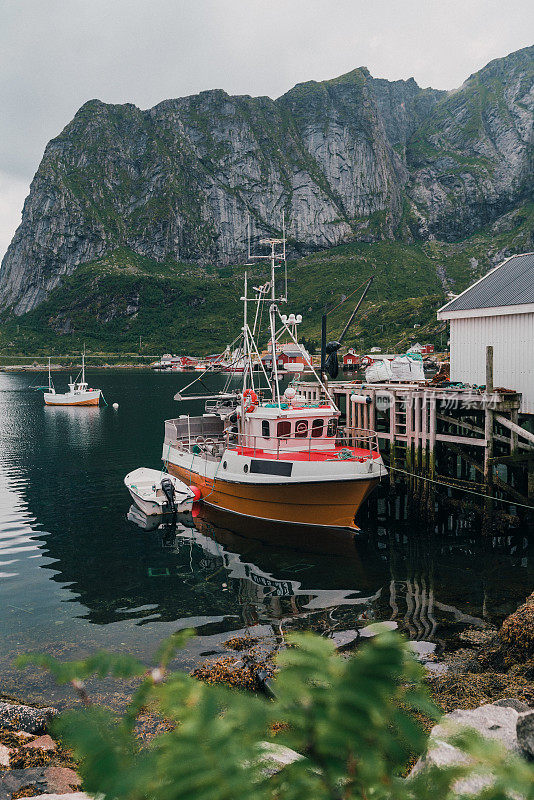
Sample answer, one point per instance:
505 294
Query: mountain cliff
353 159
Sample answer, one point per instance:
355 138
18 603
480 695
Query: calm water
76 574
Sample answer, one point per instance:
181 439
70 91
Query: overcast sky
56 54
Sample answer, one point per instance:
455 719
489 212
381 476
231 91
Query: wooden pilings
451 435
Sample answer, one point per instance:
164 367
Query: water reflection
409 580
77 574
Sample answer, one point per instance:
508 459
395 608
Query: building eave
496 311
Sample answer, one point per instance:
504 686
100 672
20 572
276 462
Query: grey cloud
59 53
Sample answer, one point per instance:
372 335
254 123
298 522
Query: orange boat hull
330 504
93 402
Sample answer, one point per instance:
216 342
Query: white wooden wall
512 337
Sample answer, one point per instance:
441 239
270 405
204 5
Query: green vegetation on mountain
111 302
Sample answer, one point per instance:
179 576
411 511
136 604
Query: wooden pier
466 437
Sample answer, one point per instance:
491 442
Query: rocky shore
32 764
487 684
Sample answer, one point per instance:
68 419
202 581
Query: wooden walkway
464 437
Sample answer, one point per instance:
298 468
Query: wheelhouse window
265 428
332 427
317 428
283 429
301 428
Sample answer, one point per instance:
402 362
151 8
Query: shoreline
485 667
63 367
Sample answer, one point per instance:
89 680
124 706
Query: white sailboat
79 393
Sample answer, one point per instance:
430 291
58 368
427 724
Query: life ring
301 426
250 394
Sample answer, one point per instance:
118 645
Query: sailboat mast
83 365
49 376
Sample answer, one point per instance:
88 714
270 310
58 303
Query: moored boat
156 493
79 393
270 454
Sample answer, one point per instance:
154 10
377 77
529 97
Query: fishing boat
79 393
265 452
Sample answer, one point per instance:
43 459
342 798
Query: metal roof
509 284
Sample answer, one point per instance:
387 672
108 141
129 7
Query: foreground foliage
352 720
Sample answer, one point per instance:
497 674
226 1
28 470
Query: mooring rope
461 489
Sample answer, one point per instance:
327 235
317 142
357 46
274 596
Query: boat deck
333 454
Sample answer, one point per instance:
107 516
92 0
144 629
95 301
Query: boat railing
363 440
207 437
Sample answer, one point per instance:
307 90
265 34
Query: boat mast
246 345
272 315
49 376
83 364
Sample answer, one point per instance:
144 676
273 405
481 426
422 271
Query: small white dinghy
156 493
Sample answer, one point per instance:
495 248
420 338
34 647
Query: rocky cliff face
354 158
471 160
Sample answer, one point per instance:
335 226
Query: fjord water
76 575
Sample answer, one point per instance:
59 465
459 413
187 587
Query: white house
497 310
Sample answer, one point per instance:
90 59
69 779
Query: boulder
72 796
492 721
512 702
5 752
13 780
525 733
61 779
41 743
517 633
25 718
274 757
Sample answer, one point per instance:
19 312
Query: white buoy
115 406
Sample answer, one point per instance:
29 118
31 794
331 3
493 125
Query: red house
289 357
351 359
424 349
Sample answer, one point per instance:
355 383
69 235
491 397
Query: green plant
351 720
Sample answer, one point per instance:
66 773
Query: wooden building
496 311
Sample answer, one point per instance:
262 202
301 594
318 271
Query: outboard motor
167 488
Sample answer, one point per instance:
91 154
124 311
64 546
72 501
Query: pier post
424 432
514 417
372 410
409 435
488 418
432 437
417 421
392 438
530 480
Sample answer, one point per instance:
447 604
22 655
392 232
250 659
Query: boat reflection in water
263 598
306 592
